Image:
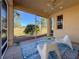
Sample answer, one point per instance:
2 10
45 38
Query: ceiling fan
53 4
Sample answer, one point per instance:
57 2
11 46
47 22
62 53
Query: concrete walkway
13 53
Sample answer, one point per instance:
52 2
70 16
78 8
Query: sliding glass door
4 27
0 30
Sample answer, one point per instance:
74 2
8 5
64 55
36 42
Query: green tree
31 29
43 23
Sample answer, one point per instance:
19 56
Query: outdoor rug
29 51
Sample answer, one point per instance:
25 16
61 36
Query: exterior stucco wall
70 23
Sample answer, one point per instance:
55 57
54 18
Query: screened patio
65 14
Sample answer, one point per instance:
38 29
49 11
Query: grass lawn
19 31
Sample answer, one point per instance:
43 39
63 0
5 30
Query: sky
3 13
26 18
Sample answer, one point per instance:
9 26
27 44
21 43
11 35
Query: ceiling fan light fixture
52 8
48 5
61 7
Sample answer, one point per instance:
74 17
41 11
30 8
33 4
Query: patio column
48 26
10 22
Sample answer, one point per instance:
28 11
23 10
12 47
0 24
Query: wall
70 23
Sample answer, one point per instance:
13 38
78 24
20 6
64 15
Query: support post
48 26
10 22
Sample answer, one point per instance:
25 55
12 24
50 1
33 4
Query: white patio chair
67 41
46 48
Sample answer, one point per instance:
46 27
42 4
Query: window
60 22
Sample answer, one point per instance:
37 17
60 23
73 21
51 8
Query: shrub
31 29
